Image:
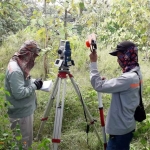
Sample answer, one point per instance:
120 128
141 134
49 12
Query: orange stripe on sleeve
135 85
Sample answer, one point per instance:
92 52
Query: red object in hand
87 43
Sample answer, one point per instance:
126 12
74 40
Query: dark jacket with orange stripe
125 98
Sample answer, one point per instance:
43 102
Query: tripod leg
58 116
47 110
85 107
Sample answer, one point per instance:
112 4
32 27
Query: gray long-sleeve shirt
125 98
22 92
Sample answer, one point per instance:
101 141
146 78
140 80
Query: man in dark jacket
21 90
120 122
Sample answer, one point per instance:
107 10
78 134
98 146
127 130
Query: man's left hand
93 56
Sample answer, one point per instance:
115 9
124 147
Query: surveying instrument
63 63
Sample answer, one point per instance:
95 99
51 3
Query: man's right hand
38 83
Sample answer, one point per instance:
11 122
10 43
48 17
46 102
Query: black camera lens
57 62
59 51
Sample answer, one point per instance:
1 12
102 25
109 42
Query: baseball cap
123 46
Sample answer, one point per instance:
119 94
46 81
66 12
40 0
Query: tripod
61 78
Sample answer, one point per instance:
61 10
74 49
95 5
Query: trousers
120 142
26 128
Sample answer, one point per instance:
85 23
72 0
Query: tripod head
64 51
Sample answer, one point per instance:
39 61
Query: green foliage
5 133
130 22
143 132
12 17
45 144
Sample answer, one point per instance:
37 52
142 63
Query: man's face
120 58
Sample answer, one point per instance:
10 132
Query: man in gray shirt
120 122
